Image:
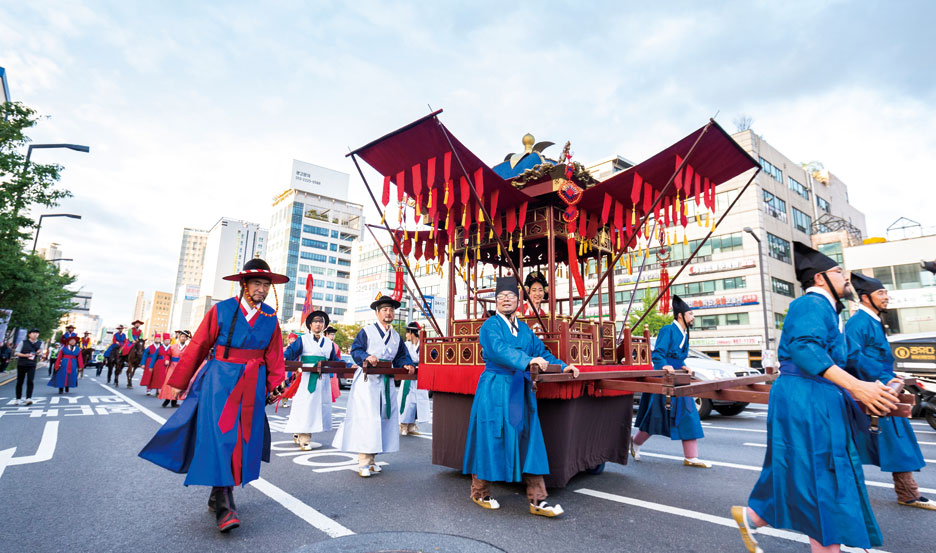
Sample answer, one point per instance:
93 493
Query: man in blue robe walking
679 421
505 441
894 448
811 480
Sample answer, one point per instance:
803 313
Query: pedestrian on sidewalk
370 424
26 356
312 402
680 419
66 366
812 481
894 447
219 434
6 353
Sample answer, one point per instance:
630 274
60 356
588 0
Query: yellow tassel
429 203
706 219
677 203
405 235
431 232
685 239
383 218
698 218
446 192
491 233
498 250
464 215
633 216
520 243
647 227
629 270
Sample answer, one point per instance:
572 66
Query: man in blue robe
679 421
811 480
505 441
894 448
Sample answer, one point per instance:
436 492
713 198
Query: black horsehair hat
679 306
507 284
413 327
807 263
314 314
865 285
258 268
330 330
384 299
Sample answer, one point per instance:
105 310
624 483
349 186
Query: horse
134 358
86 355
115 363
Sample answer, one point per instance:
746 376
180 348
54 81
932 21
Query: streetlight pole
39 225
763 280
19 193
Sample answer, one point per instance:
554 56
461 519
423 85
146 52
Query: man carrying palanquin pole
370 424
505 441
894 447
219 434
812 481
311 411
414 403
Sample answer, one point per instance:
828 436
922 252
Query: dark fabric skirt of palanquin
579 433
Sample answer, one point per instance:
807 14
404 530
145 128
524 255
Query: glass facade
778 248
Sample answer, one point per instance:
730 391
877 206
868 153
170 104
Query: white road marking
751 444
704 517
926 443
706 426
43 453
757 469
298 508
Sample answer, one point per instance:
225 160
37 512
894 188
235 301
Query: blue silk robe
812 480
505 440
681 421
894 448
66 368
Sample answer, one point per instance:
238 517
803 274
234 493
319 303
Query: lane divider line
705 517
290 502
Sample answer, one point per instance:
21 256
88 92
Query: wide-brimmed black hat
314 314
807 263
330 330
119 327
258 268
384 299
33 330
865 285
413 327
138 321
185 333
680 306
507 284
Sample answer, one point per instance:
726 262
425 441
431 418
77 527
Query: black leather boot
225 514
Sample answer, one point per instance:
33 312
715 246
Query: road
74 483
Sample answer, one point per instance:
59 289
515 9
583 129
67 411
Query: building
4 87
81 317
184 298
373 274
140 307
228 245
912 289
191 257
313 231
200 307
158 320
786 202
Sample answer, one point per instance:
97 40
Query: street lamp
763 281
19 193
39 225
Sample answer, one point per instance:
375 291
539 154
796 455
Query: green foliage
34 289
655 321
345 335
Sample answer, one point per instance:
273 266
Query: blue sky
194 110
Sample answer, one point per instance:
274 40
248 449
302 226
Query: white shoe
696 462
19 402
739 514
376 468
363 472
635 450
28 401
544 509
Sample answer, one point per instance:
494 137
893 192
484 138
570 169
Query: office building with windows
313 232
786 202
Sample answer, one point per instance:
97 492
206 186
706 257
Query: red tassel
417 180
606 209
574 266
293 388
400 180
385 197
398 283
636 188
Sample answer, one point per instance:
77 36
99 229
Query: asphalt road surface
70 480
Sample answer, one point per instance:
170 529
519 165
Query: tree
654 320
345 335
743 122
33 288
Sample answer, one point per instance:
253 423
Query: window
341 299
907 276
317 270
885 276
801 221
708 287
334 234
778 248
313 256
769 168
344 274
711 322
341 286
334 247
823 205
339 311
775 206
782 287
797 186
319 244
778 320
332 260
833 250
329 284
317 296
344 262
311 229
329 297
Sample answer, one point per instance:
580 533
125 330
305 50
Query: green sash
386 385
406 387
312 360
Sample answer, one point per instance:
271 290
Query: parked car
705 368
345 382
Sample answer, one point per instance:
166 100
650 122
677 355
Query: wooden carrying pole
396 242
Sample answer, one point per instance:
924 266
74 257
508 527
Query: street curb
7 376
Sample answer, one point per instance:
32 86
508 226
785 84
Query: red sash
241 399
